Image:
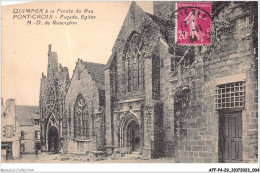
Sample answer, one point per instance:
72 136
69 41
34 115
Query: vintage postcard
130 82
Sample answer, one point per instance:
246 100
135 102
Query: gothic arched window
133 64
81 119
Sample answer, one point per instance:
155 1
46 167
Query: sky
25 47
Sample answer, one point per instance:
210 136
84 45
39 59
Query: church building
157 99
84 116
53 90
191 103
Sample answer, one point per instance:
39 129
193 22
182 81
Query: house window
81 119
133 64
37 134
230 95
36 122
22 134
8 131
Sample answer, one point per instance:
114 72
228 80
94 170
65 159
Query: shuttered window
8 131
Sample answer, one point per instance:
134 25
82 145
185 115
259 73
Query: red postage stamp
193 23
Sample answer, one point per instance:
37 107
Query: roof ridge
96 71
93 62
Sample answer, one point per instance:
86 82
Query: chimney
49 47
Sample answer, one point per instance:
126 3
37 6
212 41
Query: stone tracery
133 64
81 116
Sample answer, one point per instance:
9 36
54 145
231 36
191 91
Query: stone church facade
83 120
193 104
53 90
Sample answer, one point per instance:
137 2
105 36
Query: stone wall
82 83
108 131
140 22
167 98
197 126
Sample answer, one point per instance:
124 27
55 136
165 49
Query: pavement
58 158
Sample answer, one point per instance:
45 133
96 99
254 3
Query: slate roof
26 114
97 71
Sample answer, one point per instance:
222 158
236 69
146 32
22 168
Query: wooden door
232 137
9 153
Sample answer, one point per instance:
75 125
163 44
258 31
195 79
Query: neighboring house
9 135
28 127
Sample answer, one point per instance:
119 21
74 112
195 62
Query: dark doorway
53 139
7 150
38 145
22 149
231 137
133 135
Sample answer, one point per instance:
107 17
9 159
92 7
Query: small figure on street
36 152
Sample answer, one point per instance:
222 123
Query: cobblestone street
58 158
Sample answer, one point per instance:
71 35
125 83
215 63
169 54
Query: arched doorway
130 133
53 139
133 136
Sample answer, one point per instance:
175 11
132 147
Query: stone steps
132 156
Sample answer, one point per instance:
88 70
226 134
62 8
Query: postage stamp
193 23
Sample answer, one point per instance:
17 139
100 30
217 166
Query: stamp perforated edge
176 20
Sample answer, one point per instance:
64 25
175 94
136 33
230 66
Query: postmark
193 25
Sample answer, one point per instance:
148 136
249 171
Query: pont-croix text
53 16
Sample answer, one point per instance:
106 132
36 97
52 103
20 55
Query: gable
87 77
136 21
